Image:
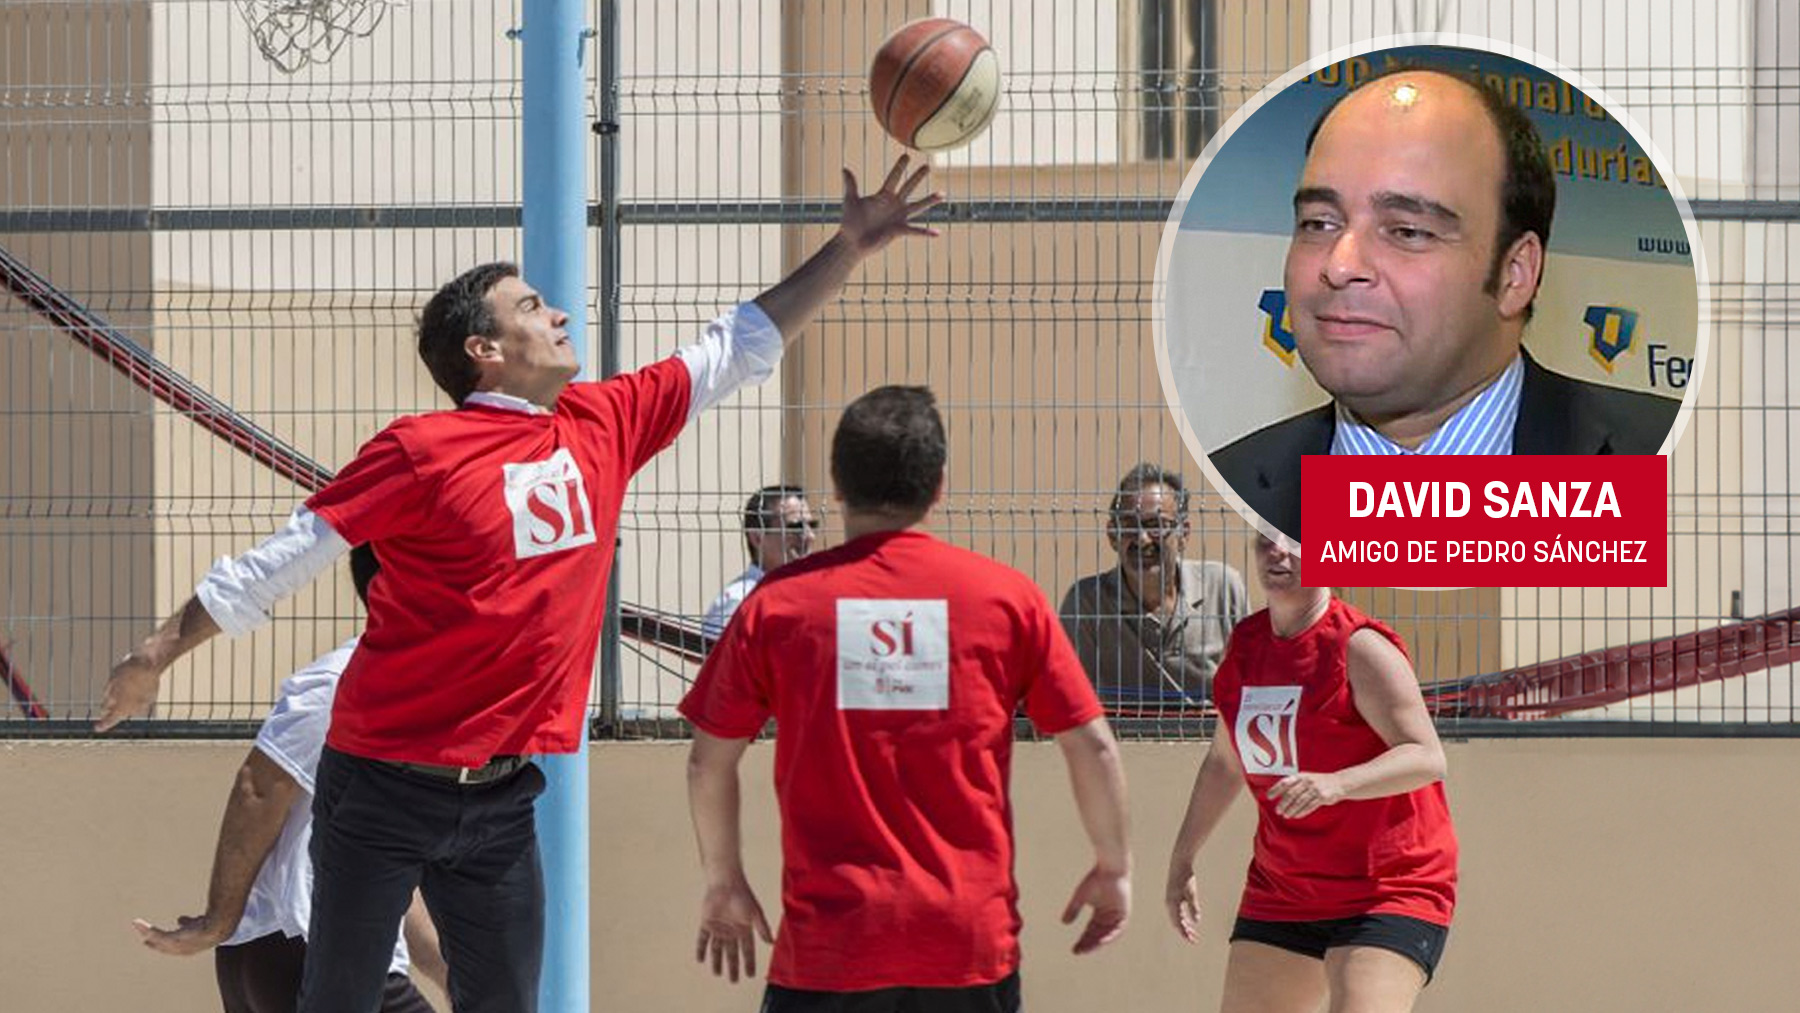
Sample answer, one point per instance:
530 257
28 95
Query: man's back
893 666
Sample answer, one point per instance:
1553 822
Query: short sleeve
647 407
1060 696
732 698
293 735
1078 622
1070 609
719 613
376 496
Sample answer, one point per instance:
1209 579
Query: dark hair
1147 474
889 451
762 508
1528 187
363 568
459 309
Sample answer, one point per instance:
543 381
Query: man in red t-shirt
893 666
494 525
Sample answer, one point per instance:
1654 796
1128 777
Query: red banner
1506 521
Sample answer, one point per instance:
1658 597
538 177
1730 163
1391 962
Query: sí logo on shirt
549 505
1265 730
893 654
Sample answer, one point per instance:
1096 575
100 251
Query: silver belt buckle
464 776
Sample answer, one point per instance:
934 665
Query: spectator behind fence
259 899
779 527
1151 630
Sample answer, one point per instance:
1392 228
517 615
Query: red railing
162 382
1610 675
1544 689
22 697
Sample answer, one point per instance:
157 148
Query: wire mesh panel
217 259
1031 317
259 239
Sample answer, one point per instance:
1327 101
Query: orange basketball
935 84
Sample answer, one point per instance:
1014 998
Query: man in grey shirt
1151 631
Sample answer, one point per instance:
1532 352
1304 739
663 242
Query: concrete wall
1598 876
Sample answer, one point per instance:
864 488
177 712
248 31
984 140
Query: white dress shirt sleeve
740 347
239 592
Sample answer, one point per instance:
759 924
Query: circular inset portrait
1425 249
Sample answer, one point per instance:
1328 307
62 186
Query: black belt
498 768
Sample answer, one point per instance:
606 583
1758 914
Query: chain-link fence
215 266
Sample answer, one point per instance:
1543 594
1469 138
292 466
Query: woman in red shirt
1353 879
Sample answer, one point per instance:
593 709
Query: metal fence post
609 299
554 219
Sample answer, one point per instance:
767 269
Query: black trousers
263 976
379 832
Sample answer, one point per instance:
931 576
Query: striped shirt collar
1483 426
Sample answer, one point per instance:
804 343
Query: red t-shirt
893 666
1286 702
495 533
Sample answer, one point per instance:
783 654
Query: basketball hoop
294 33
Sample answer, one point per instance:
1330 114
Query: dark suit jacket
1557 415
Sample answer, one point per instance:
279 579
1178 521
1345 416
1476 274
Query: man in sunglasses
779 527
1151 631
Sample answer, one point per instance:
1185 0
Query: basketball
935 84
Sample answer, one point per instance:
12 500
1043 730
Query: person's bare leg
1260 978
1368 979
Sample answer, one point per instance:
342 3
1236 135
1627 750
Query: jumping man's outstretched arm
131 689
234 598
869 223
744 347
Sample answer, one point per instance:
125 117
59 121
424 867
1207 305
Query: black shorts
1420 941
1000 997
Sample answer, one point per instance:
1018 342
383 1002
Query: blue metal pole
554 215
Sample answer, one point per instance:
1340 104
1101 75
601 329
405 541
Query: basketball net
294 33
